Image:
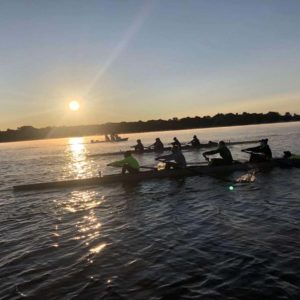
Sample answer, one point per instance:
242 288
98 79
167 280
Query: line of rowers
176 160
158 146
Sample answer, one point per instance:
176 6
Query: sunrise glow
74 105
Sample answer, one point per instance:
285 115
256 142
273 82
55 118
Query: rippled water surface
192 238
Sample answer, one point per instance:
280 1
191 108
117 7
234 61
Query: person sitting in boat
158 146
129 163
195 142
139 147
117 137
176 143
176 160
224 152
291 156
112 137
260 153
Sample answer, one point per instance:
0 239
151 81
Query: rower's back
158 145
139 147
225 153
178 157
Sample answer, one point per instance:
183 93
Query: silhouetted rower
176 143
224 152
260 153
139 147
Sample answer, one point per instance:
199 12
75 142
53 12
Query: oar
148 167
200 163
141 167
246 151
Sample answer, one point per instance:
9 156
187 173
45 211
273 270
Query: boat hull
155 174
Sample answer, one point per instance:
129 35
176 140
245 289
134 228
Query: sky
127 60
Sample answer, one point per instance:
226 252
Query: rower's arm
211 152
118 163
165 157
253 149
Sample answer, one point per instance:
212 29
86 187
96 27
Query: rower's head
222 144
175 139
138 141
127 154
264 141
157 139
194 136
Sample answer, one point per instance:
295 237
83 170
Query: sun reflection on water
81 207
77 165
98 248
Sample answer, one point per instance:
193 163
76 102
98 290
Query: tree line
230 119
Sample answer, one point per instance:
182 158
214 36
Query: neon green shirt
130 161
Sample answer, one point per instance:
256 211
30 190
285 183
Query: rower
176 143
224 153
112 137
117 137
158 146
260 153
129 163
176 160
291 156
139 147
195 142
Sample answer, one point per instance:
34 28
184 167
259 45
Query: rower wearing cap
260 153
291 156
176 143
176 160
139 147
195 142
224 153
129 163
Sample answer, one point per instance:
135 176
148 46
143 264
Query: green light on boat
231 188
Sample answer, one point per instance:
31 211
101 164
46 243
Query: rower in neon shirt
129 164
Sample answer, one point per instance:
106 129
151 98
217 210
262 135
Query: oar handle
247 151
147 167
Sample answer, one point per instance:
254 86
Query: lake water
192 238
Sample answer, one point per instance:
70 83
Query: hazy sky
127 60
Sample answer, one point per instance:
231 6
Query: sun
74 105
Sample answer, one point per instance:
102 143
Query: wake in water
247 178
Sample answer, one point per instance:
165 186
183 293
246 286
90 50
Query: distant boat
116 141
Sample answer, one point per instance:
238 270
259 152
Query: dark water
192 238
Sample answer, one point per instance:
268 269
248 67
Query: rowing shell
186 147
116 141
155 174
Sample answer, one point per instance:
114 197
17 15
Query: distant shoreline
27 133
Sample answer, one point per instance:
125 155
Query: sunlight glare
74 105
98 248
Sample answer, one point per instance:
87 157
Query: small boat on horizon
109 141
